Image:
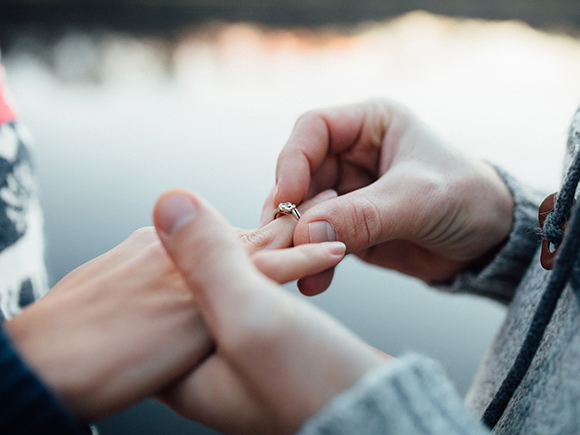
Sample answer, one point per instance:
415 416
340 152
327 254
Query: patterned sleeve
23 276
26 404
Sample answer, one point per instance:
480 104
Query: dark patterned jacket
22 265
27 406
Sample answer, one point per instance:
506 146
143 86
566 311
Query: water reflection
118 120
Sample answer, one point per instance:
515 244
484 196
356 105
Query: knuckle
440 206
309 116
257 239
365 222
147 249
143 234
140 241
314 122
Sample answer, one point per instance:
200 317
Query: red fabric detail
6 113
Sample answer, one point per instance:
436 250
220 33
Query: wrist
33 408
492 211
66 379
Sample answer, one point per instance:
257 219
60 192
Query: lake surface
118 120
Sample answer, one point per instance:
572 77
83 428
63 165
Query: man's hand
407 201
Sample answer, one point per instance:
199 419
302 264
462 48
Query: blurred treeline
47 21
171 15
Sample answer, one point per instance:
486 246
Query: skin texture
277 359
407 200
125 325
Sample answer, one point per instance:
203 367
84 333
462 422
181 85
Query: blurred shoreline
170 18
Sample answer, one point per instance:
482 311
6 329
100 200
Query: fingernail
174 212
335 248
323 196
321 231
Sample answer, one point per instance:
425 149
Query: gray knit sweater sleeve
408 396
499 278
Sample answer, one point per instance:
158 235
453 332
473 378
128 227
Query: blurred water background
120 115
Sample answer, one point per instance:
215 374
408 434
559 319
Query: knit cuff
27 406
408 396
500 277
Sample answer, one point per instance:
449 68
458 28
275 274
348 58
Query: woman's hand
114 330
277 359
407 200
126 325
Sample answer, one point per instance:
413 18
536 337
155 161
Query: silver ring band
287 208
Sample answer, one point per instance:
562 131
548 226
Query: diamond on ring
287 208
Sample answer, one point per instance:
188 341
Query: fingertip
314 231
317 223
315 284
173 210
336 249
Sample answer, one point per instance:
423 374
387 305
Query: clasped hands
192 311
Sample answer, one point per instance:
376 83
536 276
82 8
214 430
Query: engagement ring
287 208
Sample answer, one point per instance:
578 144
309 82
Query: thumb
206 251
359 219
